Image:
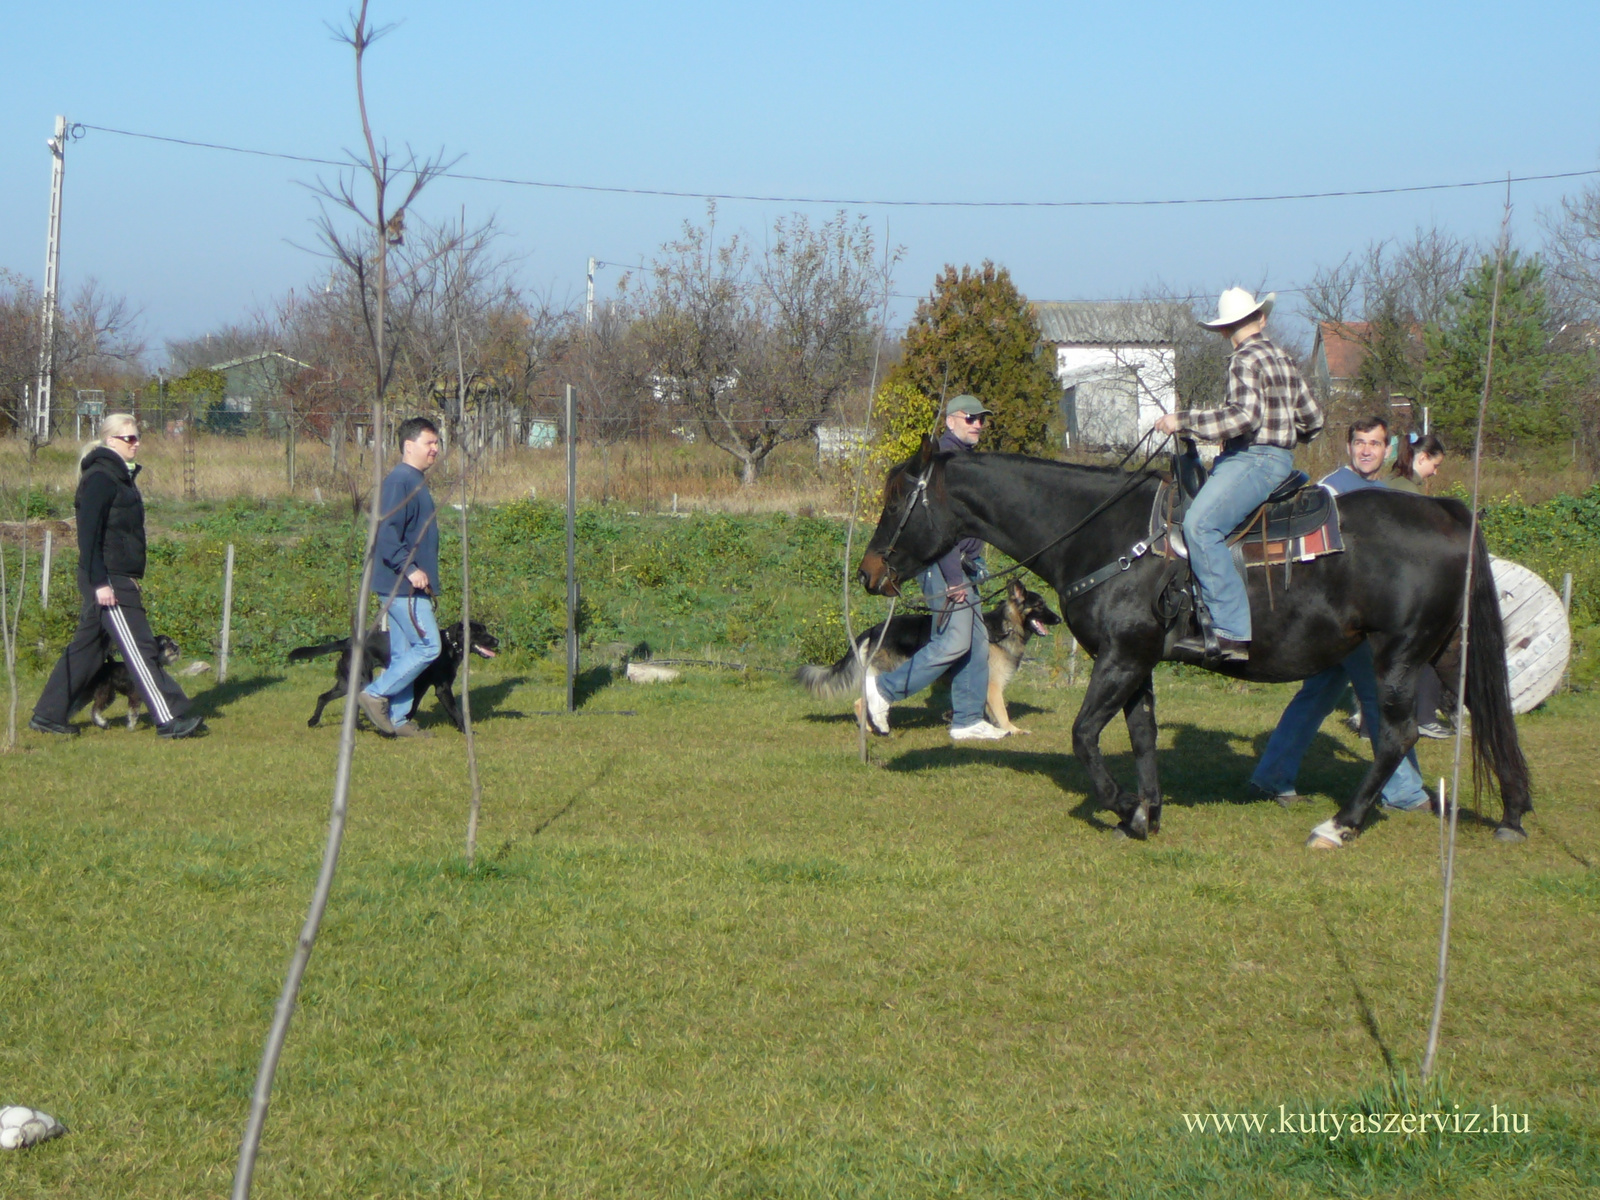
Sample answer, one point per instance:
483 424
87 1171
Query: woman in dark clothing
110 515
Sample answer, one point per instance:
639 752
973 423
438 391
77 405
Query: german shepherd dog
1011 624
113 679
440 674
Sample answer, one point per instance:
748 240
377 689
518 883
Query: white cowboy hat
1238 305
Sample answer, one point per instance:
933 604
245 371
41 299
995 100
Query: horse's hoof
1139 826
1121 834
1509 833
1327 836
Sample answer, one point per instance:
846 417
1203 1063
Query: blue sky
883 100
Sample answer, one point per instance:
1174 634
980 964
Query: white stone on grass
21 1127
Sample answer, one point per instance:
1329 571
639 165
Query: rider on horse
1267 410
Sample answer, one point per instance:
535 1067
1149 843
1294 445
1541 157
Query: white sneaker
877 706
978 729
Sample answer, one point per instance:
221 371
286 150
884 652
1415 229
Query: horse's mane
894 483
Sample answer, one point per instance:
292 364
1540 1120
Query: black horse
1397 584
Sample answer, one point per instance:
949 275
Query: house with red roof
1336 357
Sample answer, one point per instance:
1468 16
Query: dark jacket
110 515
955 565
408 533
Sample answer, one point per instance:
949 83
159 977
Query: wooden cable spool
1538 638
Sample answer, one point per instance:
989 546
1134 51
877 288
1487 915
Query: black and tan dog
440 674
113 679
1019 616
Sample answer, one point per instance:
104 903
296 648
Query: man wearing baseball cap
1267 410
960 639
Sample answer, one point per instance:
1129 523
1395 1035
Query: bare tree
366 258
1572 256
760 350
1416 277
97 341
609 361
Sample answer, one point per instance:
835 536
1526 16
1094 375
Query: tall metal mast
52 268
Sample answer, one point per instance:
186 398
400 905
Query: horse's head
912 530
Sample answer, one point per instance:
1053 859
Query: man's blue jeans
963 640
1280 763
412 646
1240 482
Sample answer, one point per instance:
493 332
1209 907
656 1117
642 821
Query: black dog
440 674
113 679
1012 623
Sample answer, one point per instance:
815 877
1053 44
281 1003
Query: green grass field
707 953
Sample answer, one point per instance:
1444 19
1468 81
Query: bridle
919 495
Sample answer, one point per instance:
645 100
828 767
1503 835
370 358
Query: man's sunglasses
974 420
131 438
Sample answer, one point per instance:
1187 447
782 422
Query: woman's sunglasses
131 438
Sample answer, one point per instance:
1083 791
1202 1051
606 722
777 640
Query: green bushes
1552 538
766 588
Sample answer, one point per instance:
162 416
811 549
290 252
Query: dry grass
643 476
638 475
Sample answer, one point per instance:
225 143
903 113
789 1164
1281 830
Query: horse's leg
1140 714
1111 686
1385 679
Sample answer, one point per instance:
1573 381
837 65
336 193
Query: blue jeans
1240 482
963 640
1280 763
411 648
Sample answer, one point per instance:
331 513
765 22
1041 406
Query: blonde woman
110 515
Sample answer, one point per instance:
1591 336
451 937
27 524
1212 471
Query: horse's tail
828 683
309 652
1494 727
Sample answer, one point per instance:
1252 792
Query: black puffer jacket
110 518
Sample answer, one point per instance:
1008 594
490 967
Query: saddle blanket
1301 528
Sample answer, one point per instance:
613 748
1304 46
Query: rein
1135 478
1123 563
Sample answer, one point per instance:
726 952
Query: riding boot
1206 646
1202 642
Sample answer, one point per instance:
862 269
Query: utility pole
588 308
52 266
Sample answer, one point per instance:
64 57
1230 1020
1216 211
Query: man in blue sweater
1275 774
960 640
405 573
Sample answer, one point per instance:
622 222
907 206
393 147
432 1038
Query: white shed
1117 362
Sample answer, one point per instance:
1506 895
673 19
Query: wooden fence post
1567 610
572 573
227 616
44 575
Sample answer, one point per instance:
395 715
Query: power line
1265 198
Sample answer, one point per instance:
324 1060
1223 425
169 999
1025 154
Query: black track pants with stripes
123 627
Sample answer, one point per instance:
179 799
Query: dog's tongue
1039 627
486 653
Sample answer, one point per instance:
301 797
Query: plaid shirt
1268 403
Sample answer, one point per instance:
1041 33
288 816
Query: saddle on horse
1297 523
